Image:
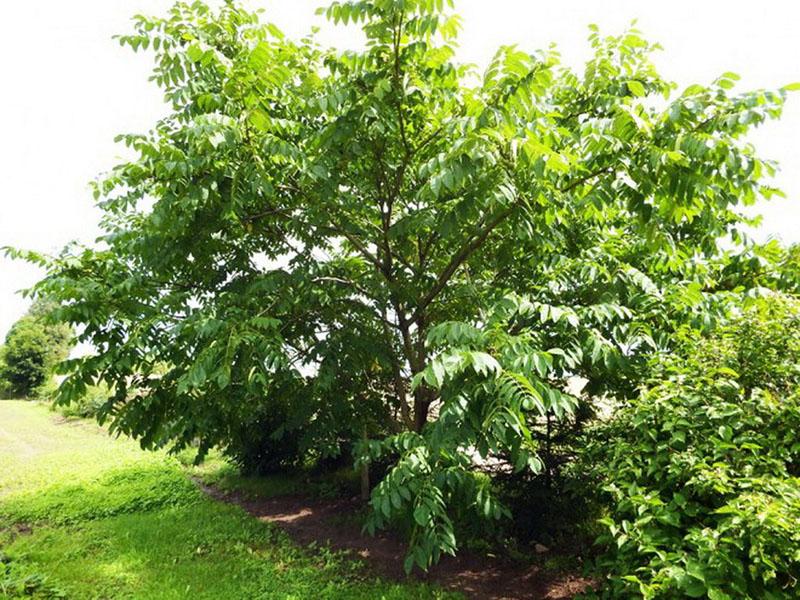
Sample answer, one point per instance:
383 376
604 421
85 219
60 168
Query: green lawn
83 515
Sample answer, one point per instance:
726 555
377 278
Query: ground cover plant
382 257
83 515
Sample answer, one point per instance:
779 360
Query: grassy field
83 515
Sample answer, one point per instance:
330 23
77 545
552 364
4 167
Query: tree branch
473 243
485 227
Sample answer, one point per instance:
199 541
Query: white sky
67 89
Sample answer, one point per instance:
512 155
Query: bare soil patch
311 520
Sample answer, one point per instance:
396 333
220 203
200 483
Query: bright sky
68 89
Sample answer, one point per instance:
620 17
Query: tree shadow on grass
148 532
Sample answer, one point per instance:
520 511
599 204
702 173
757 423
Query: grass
216 471
83 515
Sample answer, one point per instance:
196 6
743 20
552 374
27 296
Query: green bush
87 406
762 346
5 387
700 472
262 444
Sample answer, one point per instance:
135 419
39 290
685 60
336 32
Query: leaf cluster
701 472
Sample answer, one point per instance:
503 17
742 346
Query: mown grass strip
85 516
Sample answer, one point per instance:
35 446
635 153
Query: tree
384 242
32 348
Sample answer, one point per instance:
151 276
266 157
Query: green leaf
636 88
194 52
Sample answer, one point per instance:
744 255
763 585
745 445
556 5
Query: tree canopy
320 246
33 347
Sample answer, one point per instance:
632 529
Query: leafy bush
88 405
5 386
789 269
762 346
262 444
701 471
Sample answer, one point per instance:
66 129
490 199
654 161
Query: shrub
86 406
701 471
762 346
5 386
262 444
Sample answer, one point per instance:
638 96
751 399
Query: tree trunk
548 452
420 416
423 397
365 488
365 482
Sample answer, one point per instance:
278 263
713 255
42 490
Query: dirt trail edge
309 520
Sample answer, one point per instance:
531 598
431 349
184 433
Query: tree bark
365 487
423 398
420 414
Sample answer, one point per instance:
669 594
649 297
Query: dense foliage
33 347
317 251
703 470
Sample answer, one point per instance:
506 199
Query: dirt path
309 520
